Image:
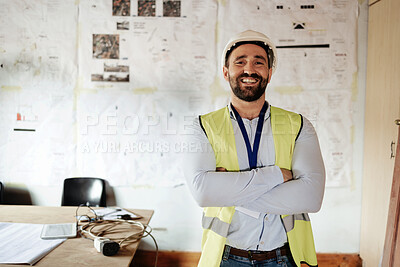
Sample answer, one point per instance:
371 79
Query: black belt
259 255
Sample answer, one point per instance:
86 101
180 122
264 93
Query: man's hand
221 169
287 175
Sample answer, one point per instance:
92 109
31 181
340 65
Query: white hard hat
251 36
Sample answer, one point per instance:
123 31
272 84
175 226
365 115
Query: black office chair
1 192
84 190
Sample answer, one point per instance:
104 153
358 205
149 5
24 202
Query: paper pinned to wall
134 139
38 73
317 60
158 46
168 67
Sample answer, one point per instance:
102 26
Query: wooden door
382 108
391 252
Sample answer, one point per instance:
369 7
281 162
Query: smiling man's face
248 72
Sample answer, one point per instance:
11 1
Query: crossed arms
266 189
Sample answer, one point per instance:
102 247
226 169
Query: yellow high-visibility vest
216 220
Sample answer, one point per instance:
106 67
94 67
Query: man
260 170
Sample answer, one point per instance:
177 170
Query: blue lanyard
252 153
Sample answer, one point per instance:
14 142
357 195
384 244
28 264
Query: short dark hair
266 47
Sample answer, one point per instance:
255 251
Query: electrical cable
104 244
155 243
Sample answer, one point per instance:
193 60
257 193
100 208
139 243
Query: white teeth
249 81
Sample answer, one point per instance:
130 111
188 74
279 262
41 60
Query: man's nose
248 68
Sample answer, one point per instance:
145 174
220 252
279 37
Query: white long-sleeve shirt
259 195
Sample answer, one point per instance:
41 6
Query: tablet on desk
60 230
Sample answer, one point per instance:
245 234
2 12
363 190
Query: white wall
177 217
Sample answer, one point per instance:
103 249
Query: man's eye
239 62
259 63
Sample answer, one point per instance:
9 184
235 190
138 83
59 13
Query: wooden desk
74 251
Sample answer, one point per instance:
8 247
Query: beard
248 93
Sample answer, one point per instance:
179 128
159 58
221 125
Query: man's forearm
223 189
304 193
293 197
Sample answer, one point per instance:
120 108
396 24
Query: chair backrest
1 192
84 190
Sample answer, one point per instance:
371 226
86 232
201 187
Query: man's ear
226 73
269 74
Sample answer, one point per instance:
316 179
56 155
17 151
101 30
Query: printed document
20 243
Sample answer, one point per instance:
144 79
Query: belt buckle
249 255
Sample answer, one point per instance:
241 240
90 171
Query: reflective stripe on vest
288 221
216 225
216 220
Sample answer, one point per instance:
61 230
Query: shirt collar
266 117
